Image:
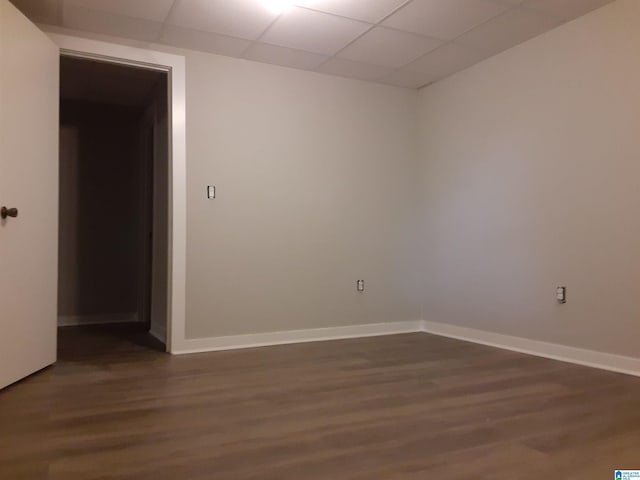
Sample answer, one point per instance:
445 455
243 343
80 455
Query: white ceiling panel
444 19
236 18
42 11
388 48
445 60
367 10
204 41
507 30
288 57
347 68
406 78
566 9
155 10
81 18
313 31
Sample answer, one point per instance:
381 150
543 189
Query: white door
29 64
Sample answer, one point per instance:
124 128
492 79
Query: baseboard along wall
589 358
554 351
232 342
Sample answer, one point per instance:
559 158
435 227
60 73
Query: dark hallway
113 197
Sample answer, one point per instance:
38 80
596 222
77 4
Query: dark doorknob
8 212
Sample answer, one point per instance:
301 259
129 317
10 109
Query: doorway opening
113 281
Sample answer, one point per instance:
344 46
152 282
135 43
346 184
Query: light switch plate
211 192
561 294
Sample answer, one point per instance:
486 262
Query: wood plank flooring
410 406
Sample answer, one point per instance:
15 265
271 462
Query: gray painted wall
316 189
531 180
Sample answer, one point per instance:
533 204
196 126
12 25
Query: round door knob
8 212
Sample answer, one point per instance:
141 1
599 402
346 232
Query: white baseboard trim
96 319
232 342
563 353
579 356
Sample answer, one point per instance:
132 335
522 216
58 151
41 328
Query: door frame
174 65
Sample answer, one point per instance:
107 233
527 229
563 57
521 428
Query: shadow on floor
82 343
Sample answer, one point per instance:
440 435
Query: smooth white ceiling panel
155 10
507 30
367 10
444 19
348 68
204 41
406 78
80 18
42 11
388 48
288 57
236 18
313 31
566 9
444 61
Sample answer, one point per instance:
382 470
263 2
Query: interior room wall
531 168
315 189
99 236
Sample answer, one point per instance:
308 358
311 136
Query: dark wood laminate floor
399 407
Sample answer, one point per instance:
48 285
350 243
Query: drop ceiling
408 43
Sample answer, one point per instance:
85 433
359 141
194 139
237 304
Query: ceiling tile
388 48
80 18
313 31
567 9
288 57
236 18
204 41
155 10
43 11
508 30
367 10
406 78
446 60
347 68
444 19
